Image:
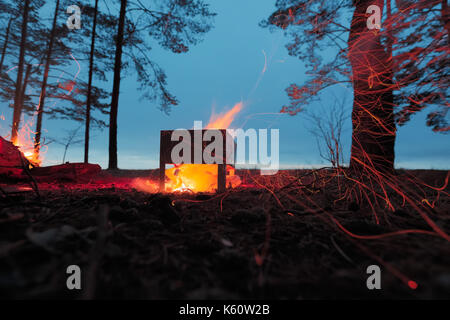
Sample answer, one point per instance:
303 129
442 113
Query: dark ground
241 244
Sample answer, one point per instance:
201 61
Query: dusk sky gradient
224 69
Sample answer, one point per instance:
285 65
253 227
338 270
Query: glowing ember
25 141
198 178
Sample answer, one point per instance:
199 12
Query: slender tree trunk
40 111
17 103
374 131
25 83
88 100
116 88
390 40
5 45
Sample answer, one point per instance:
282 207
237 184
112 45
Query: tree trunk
25 83
374 131
40 111
18 94
88 100
5 45
116 88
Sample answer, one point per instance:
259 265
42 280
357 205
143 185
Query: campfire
25 142
195 175
200 177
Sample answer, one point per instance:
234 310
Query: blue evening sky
218 73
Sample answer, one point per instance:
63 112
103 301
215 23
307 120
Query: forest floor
252 242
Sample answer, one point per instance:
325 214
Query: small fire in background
25 141
26 135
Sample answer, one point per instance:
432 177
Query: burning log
13 164
68 172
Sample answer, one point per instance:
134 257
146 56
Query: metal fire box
166 146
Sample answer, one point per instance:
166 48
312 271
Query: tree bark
5 45
40 111
116 87
18 94
25 83
374 131
88 100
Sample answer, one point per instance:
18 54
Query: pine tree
48 58
174 24
89 89
18 92
92 48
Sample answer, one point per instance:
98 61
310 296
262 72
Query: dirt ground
252 242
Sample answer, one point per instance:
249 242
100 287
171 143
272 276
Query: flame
198 178
145 185
223 121
25 142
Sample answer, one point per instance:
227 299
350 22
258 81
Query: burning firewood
13 163
68 172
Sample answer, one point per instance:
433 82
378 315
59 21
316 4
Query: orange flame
198 178
25 142
223 121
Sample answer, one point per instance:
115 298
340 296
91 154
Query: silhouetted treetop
415 32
